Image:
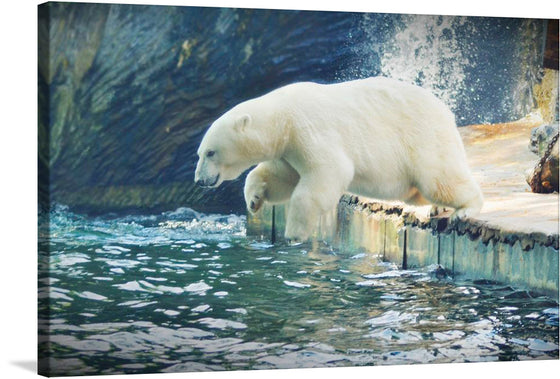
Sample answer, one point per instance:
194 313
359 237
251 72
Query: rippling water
183 291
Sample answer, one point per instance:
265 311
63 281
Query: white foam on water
358 256
144 286
198 288
177 265
103 251
507 309
156 279
185 242
127 263
91 296
296 284
253 346
201 308
118 248
69 259
337 329
386 274
242 311
219 323
371 283
53 294
391 318
175 290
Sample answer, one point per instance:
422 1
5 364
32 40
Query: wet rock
544 177
526 242
552 240
441 223
441 273
488 234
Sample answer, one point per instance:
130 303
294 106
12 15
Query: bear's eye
210 153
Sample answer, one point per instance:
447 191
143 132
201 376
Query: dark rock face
126 92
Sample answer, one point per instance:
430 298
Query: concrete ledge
470 249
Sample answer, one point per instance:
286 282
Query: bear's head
223 153
246 135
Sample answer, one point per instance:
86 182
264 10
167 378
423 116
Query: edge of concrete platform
472 249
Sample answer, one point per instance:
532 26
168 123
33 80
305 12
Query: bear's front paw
294 242
255 203
293 238
462 214
437 210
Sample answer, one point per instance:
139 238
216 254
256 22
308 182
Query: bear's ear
242 123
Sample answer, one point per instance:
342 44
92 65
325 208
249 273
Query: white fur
376 137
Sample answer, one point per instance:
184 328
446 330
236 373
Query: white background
18 186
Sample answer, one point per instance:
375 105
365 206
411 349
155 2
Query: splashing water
483 68
184 291
425 51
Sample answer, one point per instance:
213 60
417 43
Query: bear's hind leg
468 209
414 197
463 195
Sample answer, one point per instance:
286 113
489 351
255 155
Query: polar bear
375 137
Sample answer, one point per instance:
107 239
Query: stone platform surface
499 155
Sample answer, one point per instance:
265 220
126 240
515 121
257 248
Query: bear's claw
255 203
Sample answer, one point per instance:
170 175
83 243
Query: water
183 291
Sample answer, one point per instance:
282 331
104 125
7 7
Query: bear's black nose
199 183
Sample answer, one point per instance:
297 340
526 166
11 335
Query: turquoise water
184 291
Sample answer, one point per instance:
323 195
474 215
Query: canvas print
255 189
